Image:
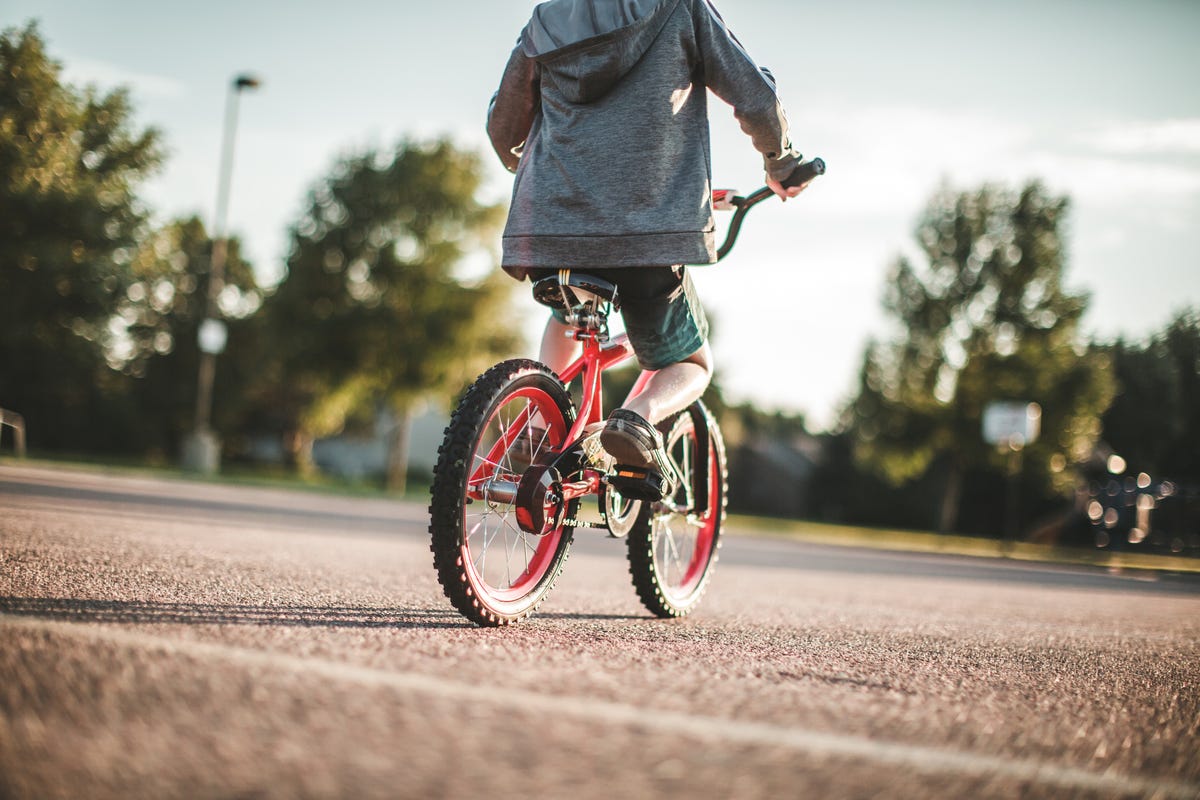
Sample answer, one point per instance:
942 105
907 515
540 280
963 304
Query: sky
1098 99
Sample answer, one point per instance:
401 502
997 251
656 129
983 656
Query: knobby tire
671 557
465 531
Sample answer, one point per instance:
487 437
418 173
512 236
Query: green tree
372 313
163 309
1154 421
985 318
70 162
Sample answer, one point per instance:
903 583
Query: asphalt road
178 639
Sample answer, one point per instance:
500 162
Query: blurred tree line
982 315
984 318
69 228
370 314
99 311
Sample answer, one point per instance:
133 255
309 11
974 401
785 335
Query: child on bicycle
602 114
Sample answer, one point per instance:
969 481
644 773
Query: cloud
1157 137
83 70
1115 179
887 159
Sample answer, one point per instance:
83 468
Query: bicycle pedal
638 483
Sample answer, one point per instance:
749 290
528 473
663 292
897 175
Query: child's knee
703 358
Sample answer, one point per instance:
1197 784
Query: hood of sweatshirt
586 46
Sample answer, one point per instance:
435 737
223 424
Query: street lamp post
1011 426
202 449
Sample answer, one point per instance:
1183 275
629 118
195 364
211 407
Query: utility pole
202 448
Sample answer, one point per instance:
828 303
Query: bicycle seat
567 290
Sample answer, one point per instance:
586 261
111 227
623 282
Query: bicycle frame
595 359
597 356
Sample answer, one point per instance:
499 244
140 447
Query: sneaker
631 440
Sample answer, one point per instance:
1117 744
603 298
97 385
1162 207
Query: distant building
773 476
361 456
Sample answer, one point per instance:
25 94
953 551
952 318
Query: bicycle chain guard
539 500
540 504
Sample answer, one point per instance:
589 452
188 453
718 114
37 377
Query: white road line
815 743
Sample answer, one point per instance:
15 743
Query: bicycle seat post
584 302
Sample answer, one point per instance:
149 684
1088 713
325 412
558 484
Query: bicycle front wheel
492 571
673 544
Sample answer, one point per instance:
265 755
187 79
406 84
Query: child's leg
668 331
558 348
673 388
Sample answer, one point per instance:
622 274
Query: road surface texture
178 639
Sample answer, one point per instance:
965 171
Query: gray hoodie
602 113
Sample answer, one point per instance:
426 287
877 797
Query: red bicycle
518 459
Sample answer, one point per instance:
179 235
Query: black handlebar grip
805 171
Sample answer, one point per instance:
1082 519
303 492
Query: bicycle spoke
518 540
516 422
684 466
487 462
537 449
475 529
522 542
507 560
481 562
674 548
660 552
492 527
502 424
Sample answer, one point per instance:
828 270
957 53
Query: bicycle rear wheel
492 571
673 545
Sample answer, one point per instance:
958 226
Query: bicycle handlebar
804 172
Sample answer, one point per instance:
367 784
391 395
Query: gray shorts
662 312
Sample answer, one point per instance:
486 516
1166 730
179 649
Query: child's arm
514 107
734 77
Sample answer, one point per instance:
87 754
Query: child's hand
785 192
